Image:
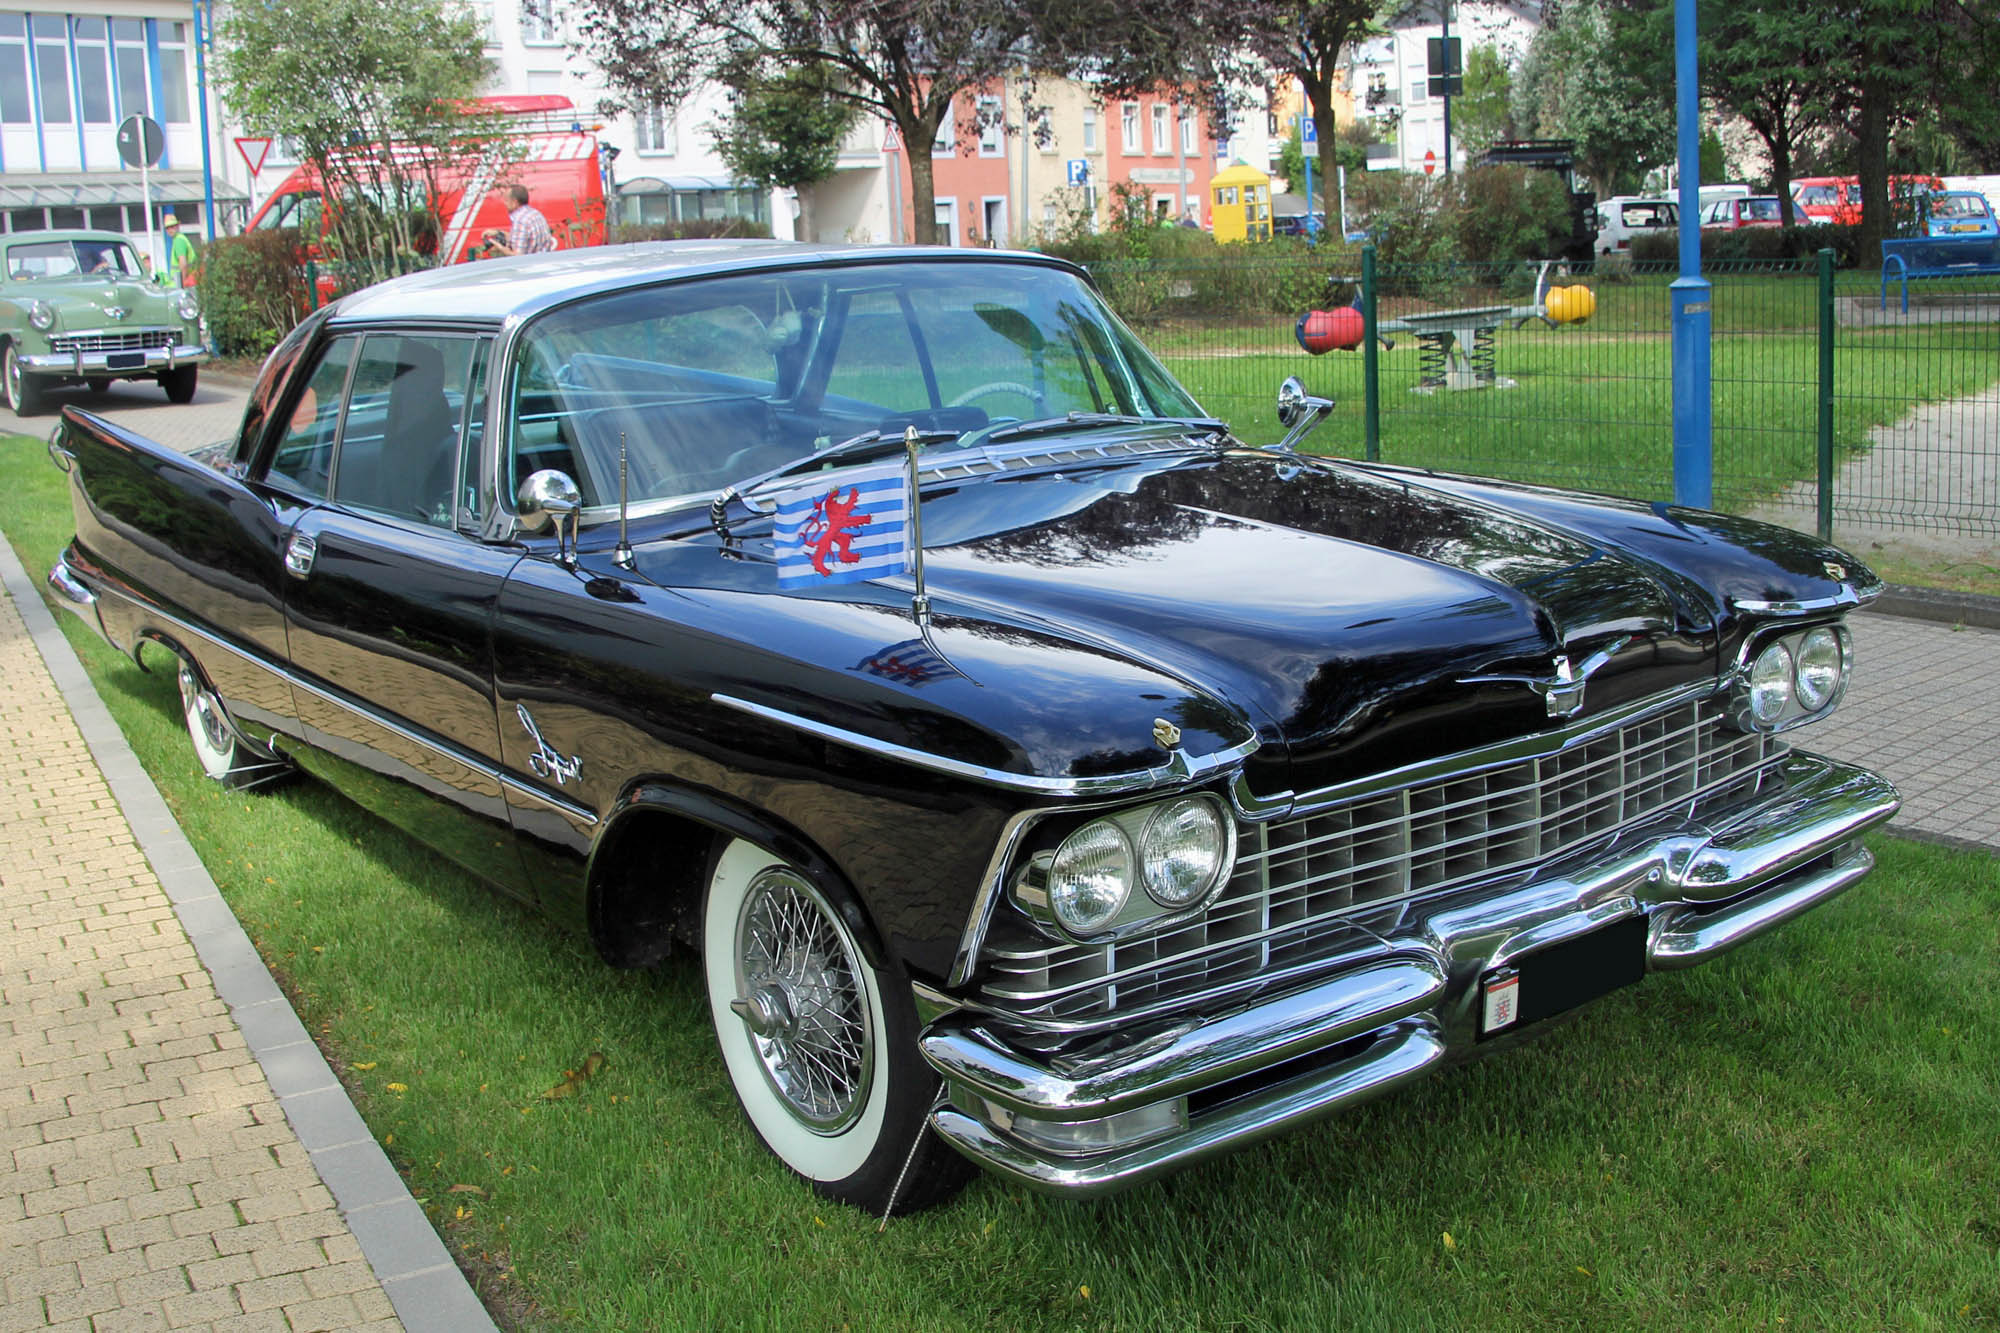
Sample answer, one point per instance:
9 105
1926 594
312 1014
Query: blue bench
1936 257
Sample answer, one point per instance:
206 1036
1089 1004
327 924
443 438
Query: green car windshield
704 383
30 260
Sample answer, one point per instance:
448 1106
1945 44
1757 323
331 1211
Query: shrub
253 290
1507 215
1659 252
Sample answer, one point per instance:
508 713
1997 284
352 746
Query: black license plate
1559 978
124 360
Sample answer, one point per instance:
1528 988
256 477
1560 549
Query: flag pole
920 604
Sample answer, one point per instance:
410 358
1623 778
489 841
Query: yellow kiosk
1240 204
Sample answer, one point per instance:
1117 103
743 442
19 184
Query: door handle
299 553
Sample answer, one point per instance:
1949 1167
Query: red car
1757 210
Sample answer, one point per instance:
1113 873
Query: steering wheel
998 386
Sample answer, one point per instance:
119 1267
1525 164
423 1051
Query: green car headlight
42 315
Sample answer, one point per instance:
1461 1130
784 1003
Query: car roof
524 285
69 234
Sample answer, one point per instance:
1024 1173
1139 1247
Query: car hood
1350 620
84 303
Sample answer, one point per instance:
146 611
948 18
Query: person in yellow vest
180 254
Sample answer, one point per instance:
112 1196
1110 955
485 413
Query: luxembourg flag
849 525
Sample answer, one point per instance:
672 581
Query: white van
1624 216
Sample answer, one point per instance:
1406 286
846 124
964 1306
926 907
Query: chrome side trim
1399 1055
1466 762
973 937
1180 768
1849 595
499 776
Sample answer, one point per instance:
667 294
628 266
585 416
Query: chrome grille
120 340
1335 881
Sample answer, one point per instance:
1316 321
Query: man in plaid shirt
528 232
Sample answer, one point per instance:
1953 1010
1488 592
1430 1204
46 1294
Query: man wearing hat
180 253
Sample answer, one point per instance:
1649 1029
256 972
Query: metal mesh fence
1476 381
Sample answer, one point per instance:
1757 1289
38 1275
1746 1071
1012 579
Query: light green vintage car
77 306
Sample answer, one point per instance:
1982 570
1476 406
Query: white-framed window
1128 129
128 58
538 23
489 27
658 135
51 42
1420 82
1190 133
947 134
992 128
1090 129
1162 140
15 105
171 39
93 69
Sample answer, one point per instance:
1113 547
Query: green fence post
1371 388
1826 395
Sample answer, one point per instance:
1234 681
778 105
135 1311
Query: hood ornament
1835 570
1562 692
114 312
1165 734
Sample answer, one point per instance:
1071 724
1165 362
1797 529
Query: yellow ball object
1571 305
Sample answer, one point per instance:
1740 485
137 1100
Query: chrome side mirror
1298 411
551 495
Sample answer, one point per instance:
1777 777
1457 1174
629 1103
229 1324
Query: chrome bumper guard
1117 1113
90 363
72 595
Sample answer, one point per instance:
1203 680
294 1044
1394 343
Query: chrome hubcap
202 714
801 998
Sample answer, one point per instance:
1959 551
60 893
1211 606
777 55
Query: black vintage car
1045 778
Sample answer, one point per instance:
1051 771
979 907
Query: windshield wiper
1072 420
868 441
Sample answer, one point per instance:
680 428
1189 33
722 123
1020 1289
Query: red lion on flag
834 524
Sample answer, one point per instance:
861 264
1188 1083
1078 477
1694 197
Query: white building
1391 73
67 78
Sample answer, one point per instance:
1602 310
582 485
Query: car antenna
622 557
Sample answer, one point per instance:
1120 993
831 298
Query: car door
389 597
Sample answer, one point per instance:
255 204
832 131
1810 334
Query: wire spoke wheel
802 1000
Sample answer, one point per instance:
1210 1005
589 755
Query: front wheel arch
648 869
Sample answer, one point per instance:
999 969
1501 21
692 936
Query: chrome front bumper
99 363
1120 1112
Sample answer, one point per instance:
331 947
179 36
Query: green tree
1587 77
785 132
1484 113
346 79
1292 163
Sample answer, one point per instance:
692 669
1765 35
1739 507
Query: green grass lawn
1801 1132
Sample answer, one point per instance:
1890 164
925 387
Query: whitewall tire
819 1044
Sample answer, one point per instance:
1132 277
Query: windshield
1958 206
64 259
707 382
1818 196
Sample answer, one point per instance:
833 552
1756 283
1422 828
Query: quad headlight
1793 679
1131 870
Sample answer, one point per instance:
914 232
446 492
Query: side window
303 460
399 448
475 434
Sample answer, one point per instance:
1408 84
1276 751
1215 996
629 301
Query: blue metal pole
202 16
1694 435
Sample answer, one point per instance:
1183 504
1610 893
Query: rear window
1653 213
